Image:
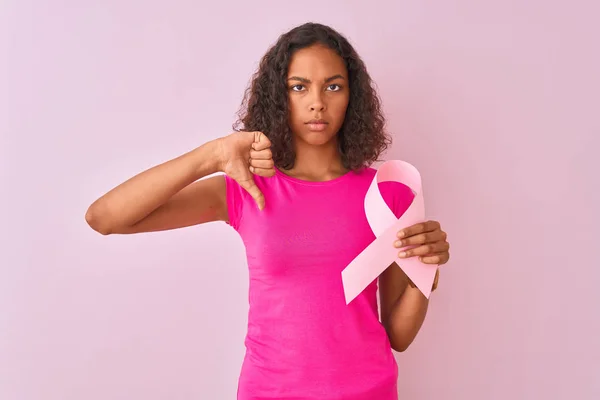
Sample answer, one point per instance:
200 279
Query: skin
177 193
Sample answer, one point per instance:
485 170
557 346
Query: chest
319 232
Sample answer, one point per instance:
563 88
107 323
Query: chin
316 138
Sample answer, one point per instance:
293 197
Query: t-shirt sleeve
235 202
397 196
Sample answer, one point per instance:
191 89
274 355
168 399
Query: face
318 94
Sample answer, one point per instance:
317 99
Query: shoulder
364 176
235 192
368 172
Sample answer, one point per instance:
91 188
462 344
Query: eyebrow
304 80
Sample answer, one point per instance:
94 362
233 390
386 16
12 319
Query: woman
296 171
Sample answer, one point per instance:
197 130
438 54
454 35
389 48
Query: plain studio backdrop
496 102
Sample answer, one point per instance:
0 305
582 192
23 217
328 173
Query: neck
317 163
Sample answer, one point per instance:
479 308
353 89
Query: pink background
496 102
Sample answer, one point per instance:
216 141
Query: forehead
316 61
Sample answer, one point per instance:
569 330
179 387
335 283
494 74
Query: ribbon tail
370 263
422 275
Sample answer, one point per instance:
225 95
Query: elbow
399 340
400 346
96 220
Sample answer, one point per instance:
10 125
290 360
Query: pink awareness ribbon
378 256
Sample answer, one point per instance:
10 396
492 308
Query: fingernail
401 234
402 254
398 243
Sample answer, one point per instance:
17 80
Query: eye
297 88
334 87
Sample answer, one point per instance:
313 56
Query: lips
317 125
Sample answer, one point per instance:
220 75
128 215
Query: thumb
250 186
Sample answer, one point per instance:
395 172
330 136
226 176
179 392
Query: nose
316 103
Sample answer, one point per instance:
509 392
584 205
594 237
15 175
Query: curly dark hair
362 137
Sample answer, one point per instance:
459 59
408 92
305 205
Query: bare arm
165 196
403 308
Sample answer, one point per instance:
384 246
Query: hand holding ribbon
429 240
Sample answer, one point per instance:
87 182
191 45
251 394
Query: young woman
296 171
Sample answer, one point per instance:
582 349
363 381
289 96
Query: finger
267 164
422 238
416 229
261 142
266 172
254 191
261 155
425 250
436 259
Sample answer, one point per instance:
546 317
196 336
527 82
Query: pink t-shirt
303 342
